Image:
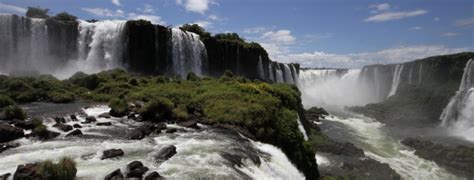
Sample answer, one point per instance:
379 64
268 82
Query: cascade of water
279 74
261 72
294 74
458 102
420 71
411 73
396 79
271 76
288 75
301 128
188 52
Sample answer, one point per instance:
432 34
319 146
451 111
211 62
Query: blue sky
316 33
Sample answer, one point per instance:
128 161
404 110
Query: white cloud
255 30
214 17
197 6
282 37
152 18
465 22
7 8
357 60
449 34
415 28
104 12
379 7
389 16
116 2
204 24
436 19
147 9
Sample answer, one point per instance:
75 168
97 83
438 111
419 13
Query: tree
37 12
195 28
64 16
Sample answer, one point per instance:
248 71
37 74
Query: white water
420 71
301 128
411 74
188 52
381 146
396 79
288 74
261 72
279 75
199 152
458 115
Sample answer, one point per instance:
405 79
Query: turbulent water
207 153
188 52
459 113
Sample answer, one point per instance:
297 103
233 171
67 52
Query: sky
314 33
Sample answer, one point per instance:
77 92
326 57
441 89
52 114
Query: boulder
24 124
59 120
111 153
63 127
6 146
5 176
44 134
104 124
90 119
27 171
145 130
165 153
189 124
105 115
154 176
172 130
73 117
136 170
10 133
76 126
76 132
115 175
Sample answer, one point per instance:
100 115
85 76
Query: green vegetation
14 112
5 101
119 107
64 16
37 12
65 169
196 29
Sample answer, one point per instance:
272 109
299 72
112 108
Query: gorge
188 105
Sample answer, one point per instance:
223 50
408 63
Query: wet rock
104 124
115 175
165 153
73 117
347 149
6 146
24 124
63 127
154 176
90 119
172 130
5 176
136 170
111 153
76 132
189 124
105 115
145 130
76 126
10 133
59 120
27 171
44 134
316 114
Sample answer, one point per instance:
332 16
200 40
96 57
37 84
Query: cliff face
424 89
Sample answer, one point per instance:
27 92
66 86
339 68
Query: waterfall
261 72
271 76
396 79
279 74
288 75
294 74
188 52
454 111
301 128
411 74
420 71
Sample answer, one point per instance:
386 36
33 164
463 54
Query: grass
65 169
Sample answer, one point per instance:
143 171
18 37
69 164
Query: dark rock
10 133
24 124
76 132
104 124
5 176
145 130
73 117
6 146
189 124
137 172
316 114
111 153
27 171
105 115
90 119
76 126
115 175
134 164
63 127
44 134
172 130
165 153
59 120
154 176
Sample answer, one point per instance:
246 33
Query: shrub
195 28
5 101
180 113
37 12
61 96
192 77
64 16
119 107
14 112
133 82
157 109
65 169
